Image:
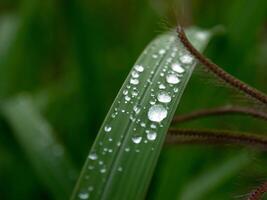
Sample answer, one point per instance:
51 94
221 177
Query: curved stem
178 136
224 110
219 72
258 193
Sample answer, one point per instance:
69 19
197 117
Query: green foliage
71 57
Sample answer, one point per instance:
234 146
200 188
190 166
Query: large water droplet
186 59
83 195
177 68
107 128
172 79
93 156
136 139
139 68
151 135
157 113
164 97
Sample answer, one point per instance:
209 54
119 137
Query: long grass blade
35 135
123 157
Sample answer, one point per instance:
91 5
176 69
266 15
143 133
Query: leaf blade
125 152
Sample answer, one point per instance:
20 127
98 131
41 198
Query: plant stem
258 193
224 110
178 136
219 72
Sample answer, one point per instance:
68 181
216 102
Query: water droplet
151 135
136 139
177 68
139 68
125 92
103 170
154 56
135 74
136 109
127 98
153 126
172 79
120 169
93 156
162 51
127 149
164 97
90 188
161 86
186 59
143 124
107 128
134 81
175 90
83 195
157 113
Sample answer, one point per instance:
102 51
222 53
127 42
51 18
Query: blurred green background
62 63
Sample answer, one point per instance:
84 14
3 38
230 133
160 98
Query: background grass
71 58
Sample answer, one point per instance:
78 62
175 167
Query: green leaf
123 157
36 137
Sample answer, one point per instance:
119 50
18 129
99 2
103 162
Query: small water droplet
136 109
136 139
157 113
139 68
135 74
127 98
177 68
164 97
120 169
162 51
154 56
161 86
127 149
125 92
83 195
90 188
93 156
153 126
175 90
107 128
143 124
103 170
186 59
134 81
151 135
172 79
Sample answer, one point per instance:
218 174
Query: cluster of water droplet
137 111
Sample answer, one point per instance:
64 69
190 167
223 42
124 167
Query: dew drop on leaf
107 128
139 68
186 59
172 79
177 68
136 139
164 97
83 195
157 113
151 135
92 156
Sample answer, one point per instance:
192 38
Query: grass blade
46 154
123 157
